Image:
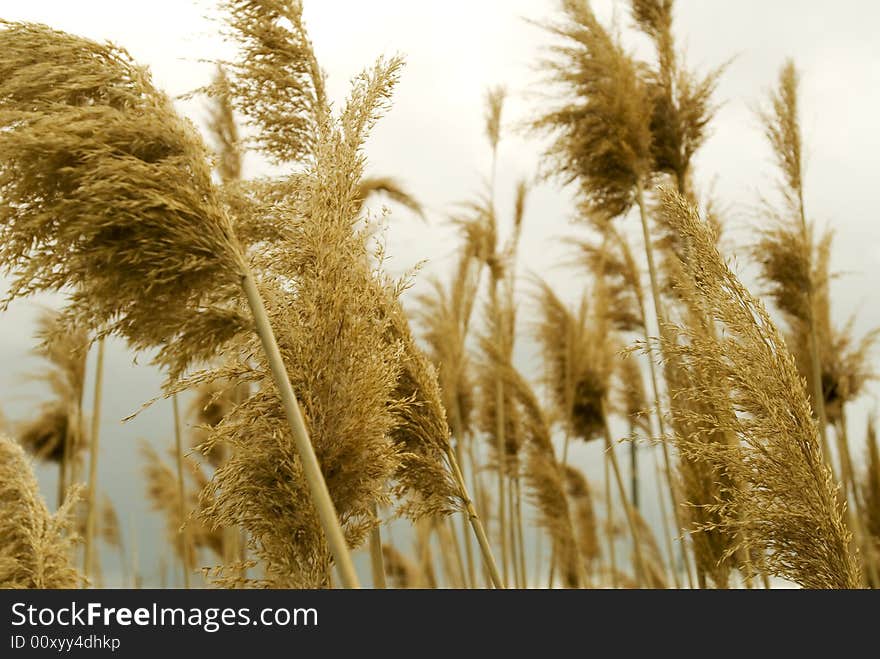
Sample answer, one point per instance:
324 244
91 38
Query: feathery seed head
780 499
36 547
107 192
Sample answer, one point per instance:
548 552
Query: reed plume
111 532
163 494
584 516
213 401
795 273
781 500
600 129
58 431
402 571
275 82
35 546
445 315
368 395
681 101
578 363
546 481
786 251
795 264
88 138
223 130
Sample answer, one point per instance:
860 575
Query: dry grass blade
35 546
393 190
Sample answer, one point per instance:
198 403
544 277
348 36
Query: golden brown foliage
58 427
633 399
164 497
795 268
496 343
783 131
579 363
223 129
276 82
681 101
367 394
870 491
445 316
581 502
110 530
401 571
612 262
546 481
107 191
781 501
213 401
600 129
35 546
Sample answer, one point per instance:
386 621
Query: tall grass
323 423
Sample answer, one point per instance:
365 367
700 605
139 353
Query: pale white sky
433 138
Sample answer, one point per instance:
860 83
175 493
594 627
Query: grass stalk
511 527
471 576
609 522
856 517
377 561
91 493
633 468
658 312
667 536
181 493
500 444
640 571
461 571
312 470
476 524
520 536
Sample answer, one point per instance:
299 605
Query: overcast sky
433 141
